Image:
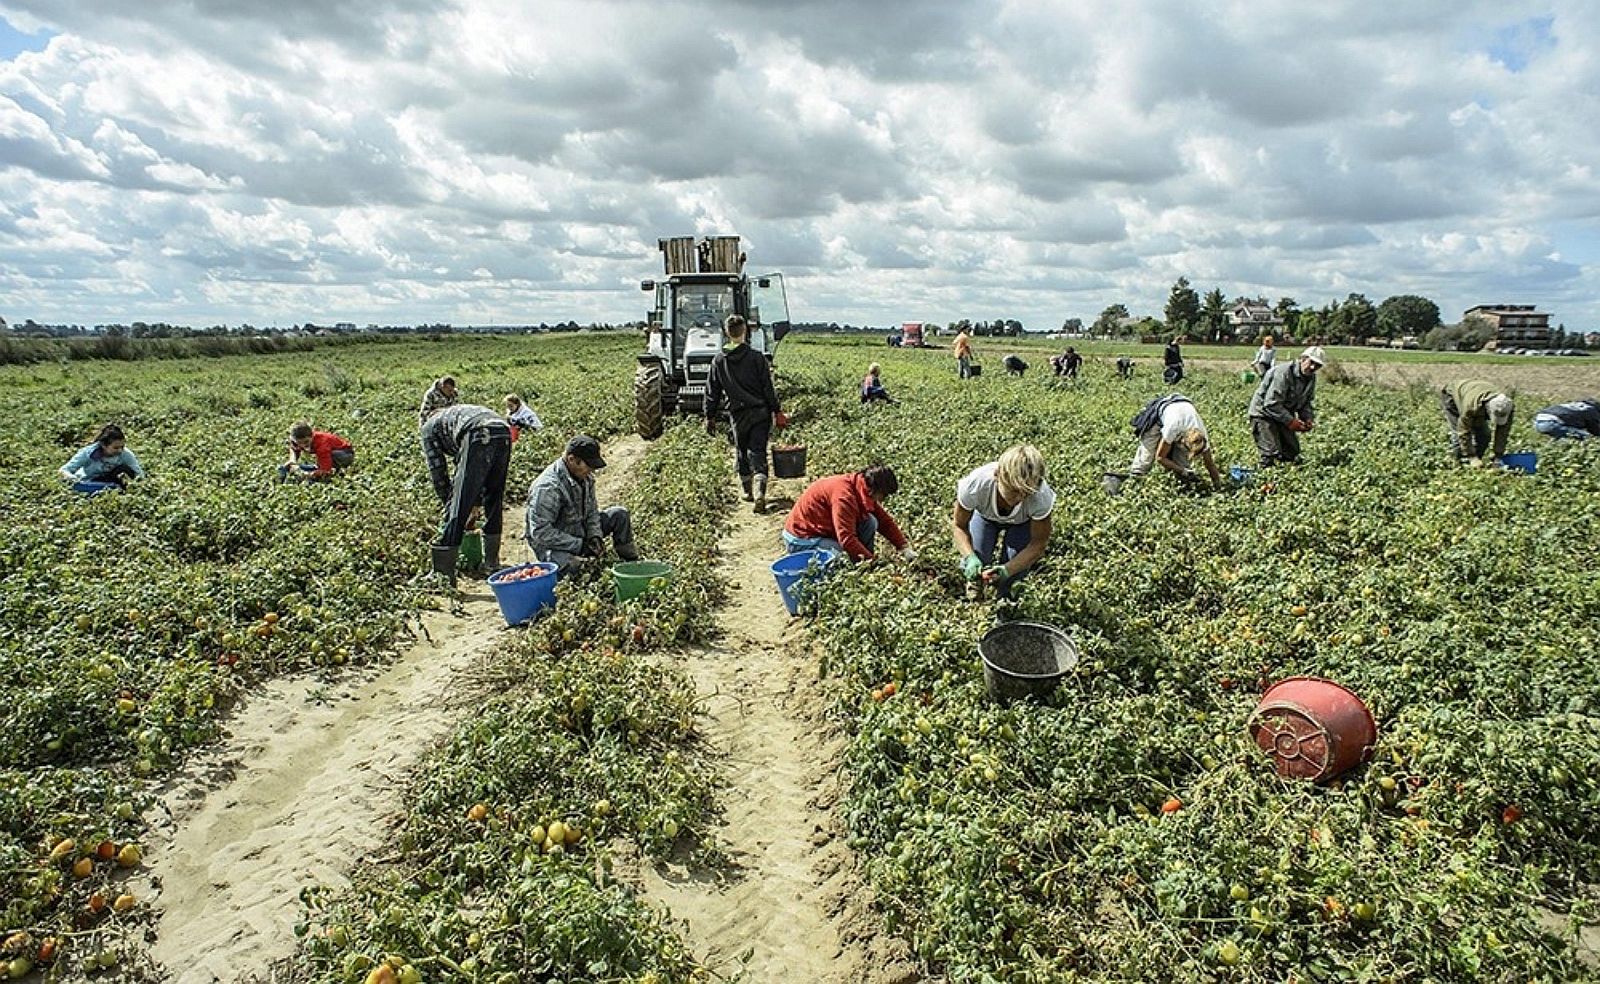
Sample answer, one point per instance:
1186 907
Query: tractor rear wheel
647 381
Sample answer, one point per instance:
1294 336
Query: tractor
705 282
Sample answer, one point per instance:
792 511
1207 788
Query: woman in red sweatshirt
845 513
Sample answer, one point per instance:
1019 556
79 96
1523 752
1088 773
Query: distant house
1251 318
1514 324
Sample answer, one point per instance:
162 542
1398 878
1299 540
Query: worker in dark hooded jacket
478 441
741 386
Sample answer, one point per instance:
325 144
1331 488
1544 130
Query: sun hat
1500 407
1315 354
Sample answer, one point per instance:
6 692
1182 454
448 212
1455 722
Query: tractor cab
705 284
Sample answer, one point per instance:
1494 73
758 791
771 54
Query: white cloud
406 160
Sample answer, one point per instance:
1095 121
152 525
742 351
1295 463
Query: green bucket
1247 377
471 557
633 579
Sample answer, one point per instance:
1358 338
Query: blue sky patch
1515 45
13 42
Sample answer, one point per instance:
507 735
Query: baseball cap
587 450
1315 354
1500 407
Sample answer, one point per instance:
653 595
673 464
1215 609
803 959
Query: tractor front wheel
647 400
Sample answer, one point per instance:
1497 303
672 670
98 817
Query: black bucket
1025 659
789 462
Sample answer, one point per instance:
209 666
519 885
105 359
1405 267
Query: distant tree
1288 309
1072 326
1214 314
1183 307
1110 320
1470 335
1407 314
1359 318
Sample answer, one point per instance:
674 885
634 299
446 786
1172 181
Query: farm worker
520 416
333 453
1577 419
440 395
1004 503
1265 356
1172 359
1015 366
1470 406
741 384
479 441
1124 367
962 347
872 390
1067 363
106 460
1283 407
1171 434
564 520
844 513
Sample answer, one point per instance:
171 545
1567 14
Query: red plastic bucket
1313 728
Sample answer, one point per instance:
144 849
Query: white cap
1500 407
1315 354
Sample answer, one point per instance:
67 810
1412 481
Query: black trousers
752 429
480 480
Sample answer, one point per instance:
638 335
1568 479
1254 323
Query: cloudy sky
206 161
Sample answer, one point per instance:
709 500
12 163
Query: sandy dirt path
307 783
793 900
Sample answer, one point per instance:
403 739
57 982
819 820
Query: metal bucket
1313 728
789 461
1025 659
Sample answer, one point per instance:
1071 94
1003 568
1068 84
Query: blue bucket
521 599
95 488
1239 473
798 569
1522 461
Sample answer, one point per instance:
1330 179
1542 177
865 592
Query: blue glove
971 567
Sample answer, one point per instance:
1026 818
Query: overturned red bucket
1313 728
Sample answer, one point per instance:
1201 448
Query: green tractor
705 282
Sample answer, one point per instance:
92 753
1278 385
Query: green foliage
1407 314
1027 843
1183 307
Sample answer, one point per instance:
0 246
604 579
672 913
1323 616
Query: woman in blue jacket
106 460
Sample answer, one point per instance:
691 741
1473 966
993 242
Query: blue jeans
866 532
986 536
1550 427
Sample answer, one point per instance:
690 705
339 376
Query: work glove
908 552
971 567
780 420
594 546
1299 426
997 576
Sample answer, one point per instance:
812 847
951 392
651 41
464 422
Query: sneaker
627 552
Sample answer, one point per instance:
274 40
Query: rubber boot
491 553
760 483
444 562
745 481
627 552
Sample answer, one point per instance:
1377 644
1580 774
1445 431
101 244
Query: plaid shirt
433 401
447 433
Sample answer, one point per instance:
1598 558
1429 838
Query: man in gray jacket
565 522
1282 407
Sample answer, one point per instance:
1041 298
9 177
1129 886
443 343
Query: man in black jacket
478 440
741 383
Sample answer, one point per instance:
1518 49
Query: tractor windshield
704 306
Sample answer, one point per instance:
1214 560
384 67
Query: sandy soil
793 900
307 782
